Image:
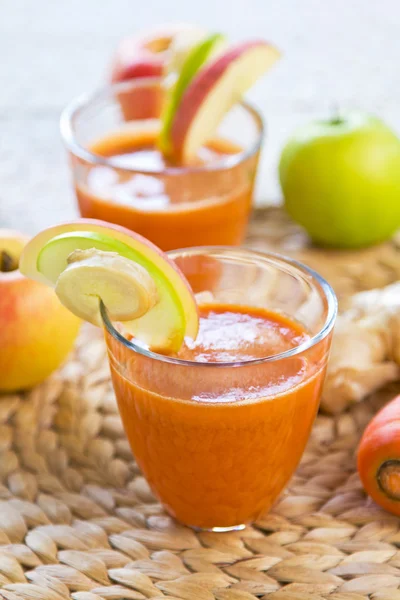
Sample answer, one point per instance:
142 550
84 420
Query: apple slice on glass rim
180 77
213 90
89 261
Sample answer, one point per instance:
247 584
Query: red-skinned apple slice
213 92
166 323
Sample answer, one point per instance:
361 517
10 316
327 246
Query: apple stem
336 119
7 262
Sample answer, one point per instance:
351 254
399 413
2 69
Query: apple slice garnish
164 310
195 59
214 90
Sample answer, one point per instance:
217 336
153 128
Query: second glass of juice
219 429
121 177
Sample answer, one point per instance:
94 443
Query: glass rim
326 328
81 102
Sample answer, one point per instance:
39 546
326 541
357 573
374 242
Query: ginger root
365 353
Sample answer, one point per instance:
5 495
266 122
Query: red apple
213 92
146 54
141 56
36 331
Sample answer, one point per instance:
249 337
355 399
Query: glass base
220 529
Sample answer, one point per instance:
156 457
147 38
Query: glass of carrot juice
219 428
120 175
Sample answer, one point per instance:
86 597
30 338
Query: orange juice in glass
120 175
219 428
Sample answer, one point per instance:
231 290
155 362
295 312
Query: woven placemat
78 520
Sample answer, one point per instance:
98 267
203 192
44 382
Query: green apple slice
196 57
167 322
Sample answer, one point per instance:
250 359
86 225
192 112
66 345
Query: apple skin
341 180
36 331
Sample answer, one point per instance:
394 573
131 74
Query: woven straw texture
78 520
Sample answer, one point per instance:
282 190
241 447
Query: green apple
165 317
341 180
196 57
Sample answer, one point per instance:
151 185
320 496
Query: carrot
379 457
